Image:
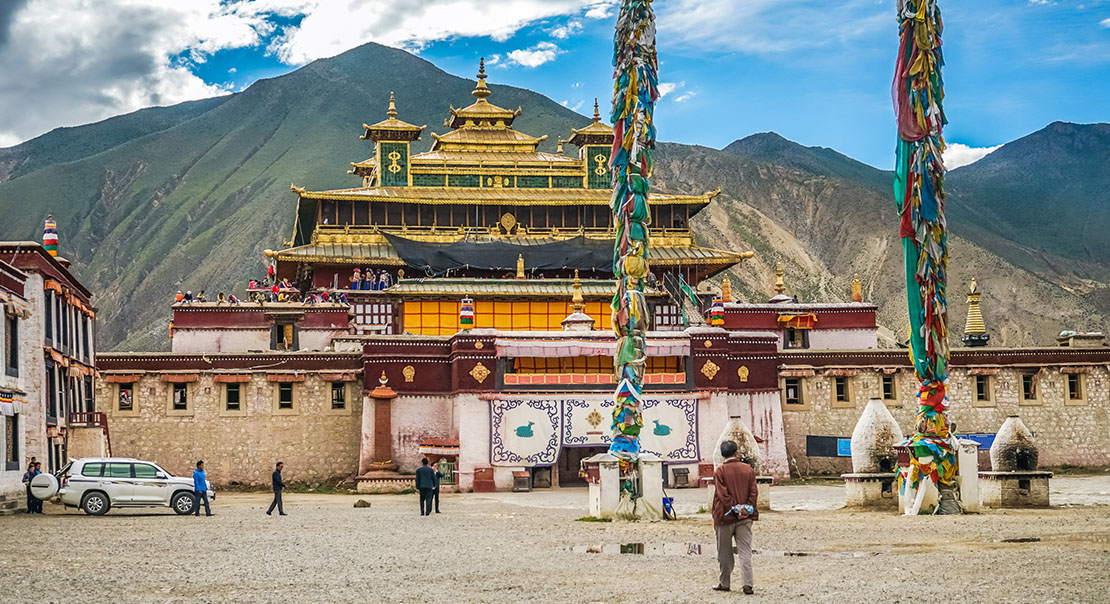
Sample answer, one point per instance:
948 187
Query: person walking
200 490
435 491
425 484
278 485
735 497
27 476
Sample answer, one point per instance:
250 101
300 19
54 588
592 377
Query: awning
122 378
180 378
584 348
285 378
6 407
798 321
14 306
439 446
230 378
1075 369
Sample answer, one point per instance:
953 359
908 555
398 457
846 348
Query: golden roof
504 196
543 288
596 132
491 139
481 110
489 157
392 124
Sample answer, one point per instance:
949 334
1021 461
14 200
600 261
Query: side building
15 354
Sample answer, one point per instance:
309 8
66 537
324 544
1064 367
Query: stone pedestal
603 477
968 478
870 490
1015 489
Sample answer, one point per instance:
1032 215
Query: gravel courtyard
520 547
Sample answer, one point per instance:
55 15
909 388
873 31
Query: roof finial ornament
559 146
726 289
780 285
857 289
520 266
597 113
392 106
480 91
975 329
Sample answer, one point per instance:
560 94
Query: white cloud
565 31
601 10
1105 23
682 98
69 62
958 154
666 88
541 53
769 26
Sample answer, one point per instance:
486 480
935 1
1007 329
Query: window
12 437
888 388
1029 386
51 393
841 386
117 470
668 318
11 347
232 393
983 388
49 317
92 469
1075 386
339 394
180 397
126 397
144 470
285 396
90 402
795 338
793 388
373 317
283 336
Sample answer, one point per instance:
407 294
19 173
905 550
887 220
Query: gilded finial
780 285
975 329
577 303
559 146
726 289
392 106
857 290
597 112
974 286
480 91
520 266
383 380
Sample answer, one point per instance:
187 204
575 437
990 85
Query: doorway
569 464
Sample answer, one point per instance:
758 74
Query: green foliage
592 519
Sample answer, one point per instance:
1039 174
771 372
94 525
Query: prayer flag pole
918 95
635 90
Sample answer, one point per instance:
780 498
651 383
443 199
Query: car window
92 469
118 470
143 470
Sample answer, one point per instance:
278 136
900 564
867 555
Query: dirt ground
520 547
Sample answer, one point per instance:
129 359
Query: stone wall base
1014 489
871 491
13 503
385 485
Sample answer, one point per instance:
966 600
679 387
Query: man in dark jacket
734 508
278 485
425 484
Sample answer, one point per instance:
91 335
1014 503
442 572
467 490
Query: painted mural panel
524 432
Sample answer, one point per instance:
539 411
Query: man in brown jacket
734 487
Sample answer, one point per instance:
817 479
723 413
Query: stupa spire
857 289
975 330
780 285
481 91
392 106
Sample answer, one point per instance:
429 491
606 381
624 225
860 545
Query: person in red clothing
274 291
734 509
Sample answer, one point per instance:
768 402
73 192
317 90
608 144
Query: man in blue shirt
425 484
200 490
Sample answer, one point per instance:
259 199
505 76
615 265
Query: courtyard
528 547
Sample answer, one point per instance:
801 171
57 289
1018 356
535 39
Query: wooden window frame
803 395
1081 383
835 401
1035 378
295 405
171 409
976 401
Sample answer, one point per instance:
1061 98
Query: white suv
98 484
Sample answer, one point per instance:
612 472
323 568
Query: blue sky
816 71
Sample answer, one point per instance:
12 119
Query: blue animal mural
526 431
661 429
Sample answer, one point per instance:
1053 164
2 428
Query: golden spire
480 91
559 148
392 106
597 114
975 330
857 290
577 303
780 285
520 266
726 289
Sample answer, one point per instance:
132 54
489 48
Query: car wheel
96 504
183 503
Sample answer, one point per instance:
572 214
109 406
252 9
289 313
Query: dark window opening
888 388
90 400
795 338
793 387
338 395
982 388
285 396
231 396
11 347
49 317
1075 386
1029 386
12 438
842 394
180 397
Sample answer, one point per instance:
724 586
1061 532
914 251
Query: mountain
188 197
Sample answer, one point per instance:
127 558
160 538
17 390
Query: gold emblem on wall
708 344
479 345
507 223
409 372
743 373
479 373
710 369
601 168
394 167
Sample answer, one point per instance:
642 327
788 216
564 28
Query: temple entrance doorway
569 464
